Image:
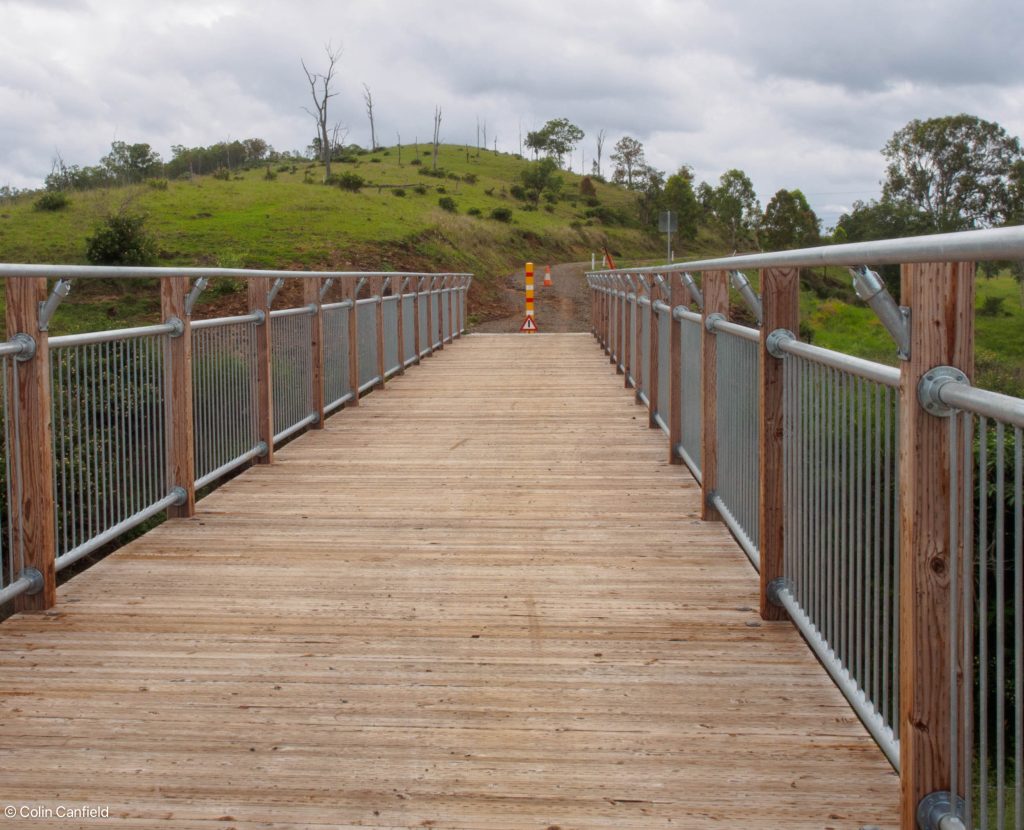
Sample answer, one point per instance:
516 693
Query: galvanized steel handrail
120 272
962 246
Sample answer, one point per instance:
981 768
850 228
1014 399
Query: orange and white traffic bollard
547 276
529 324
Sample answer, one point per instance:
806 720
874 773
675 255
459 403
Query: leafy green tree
734 205
680 198
956 170
628 155
649 185
555 139
789 222
129 163
881 220
540 177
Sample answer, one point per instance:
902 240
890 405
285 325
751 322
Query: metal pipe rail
892 538
104 431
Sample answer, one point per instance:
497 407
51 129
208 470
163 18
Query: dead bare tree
368 101
600 147
320 89
437 132
399 148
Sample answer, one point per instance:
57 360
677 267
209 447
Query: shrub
549 208
375 160
550 198
222 173
52 200
441 189
474 211
351 181
348 158
440 173
502 214
283 168
587 187
469 178
398 191
416 162
270 175
421 189
447 203
489 191
993 307
453 176
157 184
122 239
518 192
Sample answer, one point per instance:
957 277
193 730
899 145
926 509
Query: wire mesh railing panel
366 326
435 311
11 548
642 362
737 412
693 373
389 312
424 305
224 377
987 620
108 410
841 556
408 328
291 369
631 332
664 323
335 337
446 317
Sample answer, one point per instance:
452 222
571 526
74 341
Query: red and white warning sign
528 325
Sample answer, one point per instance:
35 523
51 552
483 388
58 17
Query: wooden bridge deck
480 600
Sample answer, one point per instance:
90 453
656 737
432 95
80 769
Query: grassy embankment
293 221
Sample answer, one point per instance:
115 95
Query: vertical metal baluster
878 633
966 613
954 567
983 617
1000 540
1018 623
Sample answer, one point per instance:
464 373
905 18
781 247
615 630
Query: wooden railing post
716 301
679 295
178 364
941 299
311 297
257 289
615 354
780 299
440 313
429 297
350 291
653 348
627 334
30 452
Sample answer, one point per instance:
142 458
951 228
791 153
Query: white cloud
796 93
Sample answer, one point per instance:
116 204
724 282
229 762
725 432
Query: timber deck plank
481 599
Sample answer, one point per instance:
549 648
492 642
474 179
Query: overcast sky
797 94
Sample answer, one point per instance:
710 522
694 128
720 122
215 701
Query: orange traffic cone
547 276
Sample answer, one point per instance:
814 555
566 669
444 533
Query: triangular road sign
528 325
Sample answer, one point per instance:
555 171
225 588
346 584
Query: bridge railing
105 430
881 505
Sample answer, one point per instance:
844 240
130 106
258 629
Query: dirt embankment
563 306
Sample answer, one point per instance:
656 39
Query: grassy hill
284 217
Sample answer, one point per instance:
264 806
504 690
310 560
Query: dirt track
564 306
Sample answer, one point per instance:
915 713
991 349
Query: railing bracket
28 346
775 341
260 315
326 287
929 389
695 294
272 293
775 589
178 327
895 318
713 320
198 287
262 449
34 578
47 309
750 297
180 496
937 811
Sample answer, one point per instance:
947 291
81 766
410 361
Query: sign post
668 224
